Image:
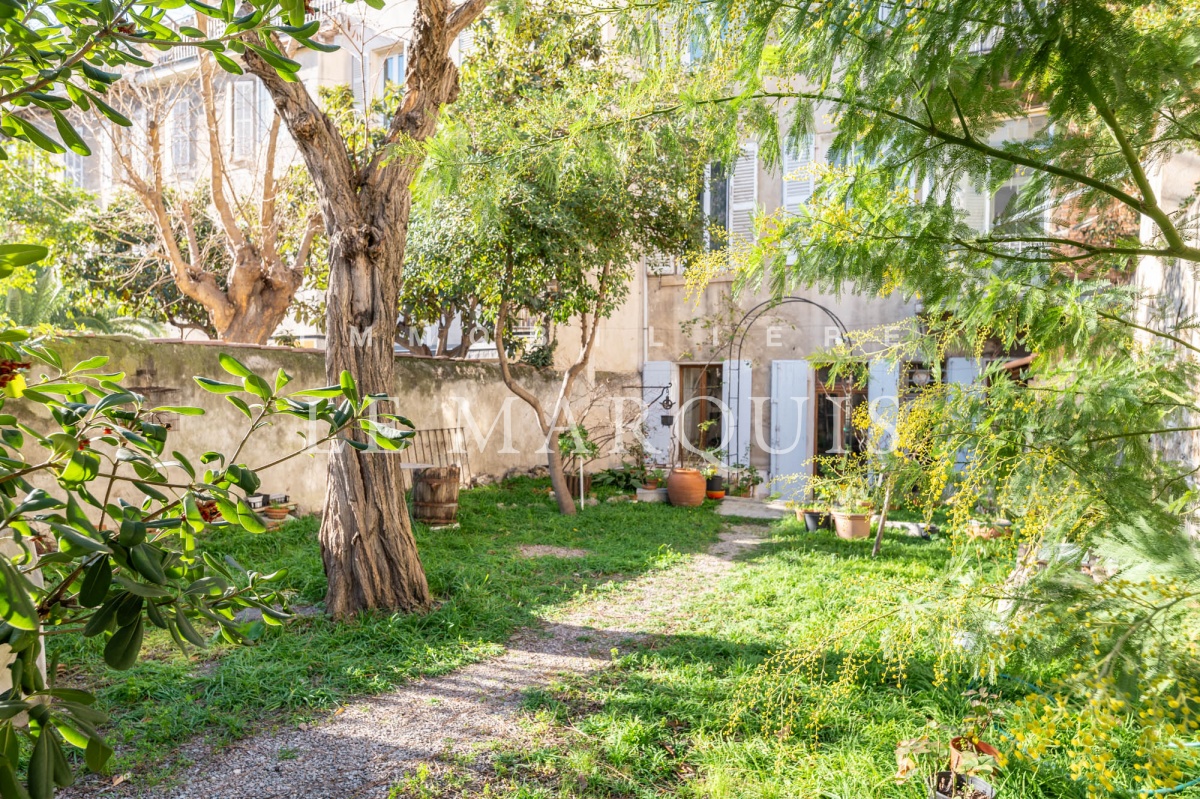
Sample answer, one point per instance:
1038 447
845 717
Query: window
466 44
245 118
836 403
797 175
74 169
715 206
183 132
700 399
743 194
393 70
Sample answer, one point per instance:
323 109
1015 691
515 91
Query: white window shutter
736 395
183 132
883 402
743 194
792 417
265 110
963 372
356 81
976 204
658 383
244 118
466 44
797 175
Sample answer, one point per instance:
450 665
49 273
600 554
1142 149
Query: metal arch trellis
751 316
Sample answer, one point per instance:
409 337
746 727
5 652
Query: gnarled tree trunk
367 545
261 284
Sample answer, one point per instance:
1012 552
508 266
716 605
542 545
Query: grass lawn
660 722
483 587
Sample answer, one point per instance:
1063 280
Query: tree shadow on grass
484 590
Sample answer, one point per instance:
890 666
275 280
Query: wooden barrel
435 495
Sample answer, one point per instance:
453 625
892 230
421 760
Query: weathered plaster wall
1171 289
432 393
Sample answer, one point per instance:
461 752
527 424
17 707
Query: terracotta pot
277 514
715 494
685 487
852 526
650 485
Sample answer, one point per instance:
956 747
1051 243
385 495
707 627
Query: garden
973 573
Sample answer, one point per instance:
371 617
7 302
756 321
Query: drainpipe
645 314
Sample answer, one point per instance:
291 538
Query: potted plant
967 782
745 479
276 511
852 508
654 477
815 512
971 760
714 484
577 451
989 522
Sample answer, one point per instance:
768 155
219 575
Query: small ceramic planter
852 526
813 518
714 487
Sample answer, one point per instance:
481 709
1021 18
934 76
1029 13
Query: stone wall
435 394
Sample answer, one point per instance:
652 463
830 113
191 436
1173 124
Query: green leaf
285 66
113 114
327 391
318 46
257 386
41 768
142 590
98 753
248 519
147 560
72 541
186 628
96 582
122 650
115 399
9 785
83 467
14 255
182 410
217 387
16 603
63 776
33 134
102 618
241 405
349 388
69 136
233 366
192 513
228 64
133 532
184 463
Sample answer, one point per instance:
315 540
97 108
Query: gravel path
372 743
